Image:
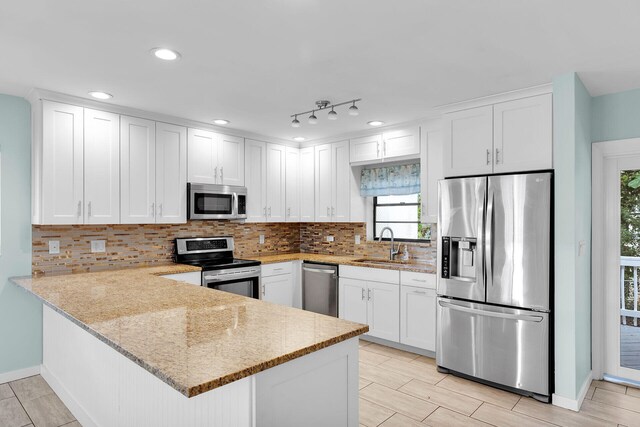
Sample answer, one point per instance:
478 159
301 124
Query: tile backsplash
145 245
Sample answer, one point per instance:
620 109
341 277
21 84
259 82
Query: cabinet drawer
370 274
276 269
420 280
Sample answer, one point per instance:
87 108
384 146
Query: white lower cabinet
374 303
278 284
418 317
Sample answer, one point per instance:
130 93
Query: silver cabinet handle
419 280
497 156
289 212
277 269
419 292
332 211
328 211
265 211
215 174
362 294
488 156
89 209
378 149
153 209
369 294
524 317
264 290
269 211
221 175
79 207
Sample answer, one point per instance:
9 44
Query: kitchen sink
380 261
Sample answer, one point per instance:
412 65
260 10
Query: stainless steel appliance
320 288
208 201
494 283
220 270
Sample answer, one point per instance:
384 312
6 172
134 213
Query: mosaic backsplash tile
147 245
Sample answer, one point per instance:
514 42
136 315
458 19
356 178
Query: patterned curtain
390 180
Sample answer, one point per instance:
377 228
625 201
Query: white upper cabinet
138 169
61 153
203 156
231 160
469 142
255 179
292 184
366 148
276 181
171 173
307 184
341 180
511 136
401 143
101 167
523 134
431 171
323 182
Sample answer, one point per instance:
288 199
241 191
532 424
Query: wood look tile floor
397 389
404 389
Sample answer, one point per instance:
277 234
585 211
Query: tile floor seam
515 404
387 419
20 402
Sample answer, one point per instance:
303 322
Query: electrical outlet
357 239
261 239
330 239
54 247
98 246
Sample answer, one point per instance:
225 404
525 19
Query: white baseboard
19 374
574 405
76 409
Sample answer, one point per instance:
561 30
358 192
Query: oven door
211 202
240 283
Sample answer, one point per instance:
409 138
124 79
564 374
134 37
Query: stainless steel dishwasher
320 288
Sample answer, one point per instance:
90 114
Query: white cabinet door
340 182
231 160
468 141
63 164
278 289
203 156
523 134
138 170
101 167
307 185
323 182
255 180
171 174
365 149
401 143
353 301
276 182
418 317
383 310
431 171
292 184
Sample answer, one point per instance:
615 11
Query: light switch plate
357 239
98 246
330 239
54 247
261 239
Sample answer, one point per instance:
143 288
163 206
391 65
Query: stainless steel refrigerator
494 280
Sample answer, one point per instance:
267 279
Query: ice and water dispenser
459 258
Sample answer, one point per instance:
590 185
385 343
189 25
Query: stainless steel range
220 270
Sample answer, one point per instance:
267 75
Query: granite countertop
194 339
410 265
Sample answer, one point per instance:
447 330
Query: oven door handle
228 277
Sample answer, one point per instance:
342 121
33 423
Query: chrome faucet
392 252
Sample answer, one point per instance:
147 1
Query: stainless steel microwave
209 201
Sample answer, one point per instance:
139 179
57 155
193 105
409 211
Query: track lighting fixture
323 105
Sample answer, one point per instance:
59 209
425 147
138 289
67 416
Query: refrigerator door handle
524 317
488 239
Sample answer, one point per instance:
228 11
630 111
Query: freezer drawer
501 345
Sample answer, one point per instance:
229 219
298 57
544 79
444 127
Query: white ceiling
256 62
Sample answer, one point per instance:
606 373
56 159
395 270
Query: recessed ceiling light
221 122
165 54
299 138
100 95
375 123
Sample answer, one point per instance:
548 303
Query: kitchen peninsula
128 347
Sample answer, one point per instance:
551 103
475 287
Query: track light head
353 110
295 122
312 118
332 115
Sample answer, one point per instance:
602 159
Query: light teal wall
616 116
20 313
572 162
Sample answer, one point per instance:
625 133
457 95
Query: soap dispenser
405 253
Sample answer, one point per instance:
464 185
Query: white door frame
603 212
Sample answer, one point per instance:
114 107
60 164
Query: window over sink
402 214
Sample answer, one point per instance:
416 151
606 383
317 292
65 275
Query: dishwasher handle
318 270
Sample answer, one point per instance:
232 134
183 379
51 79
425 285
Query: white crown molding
36 95
496 99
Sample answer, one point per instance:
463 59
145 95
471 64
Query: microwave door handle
234 205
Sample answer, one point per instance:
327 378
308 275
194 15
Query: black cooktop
221 264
